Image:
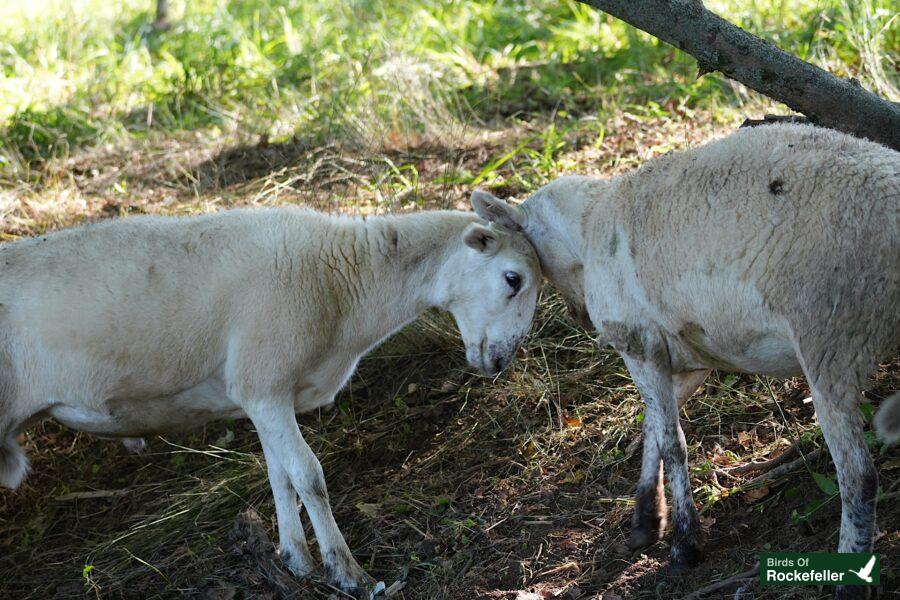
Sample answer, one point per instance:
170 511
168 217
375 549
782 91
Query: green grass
87 72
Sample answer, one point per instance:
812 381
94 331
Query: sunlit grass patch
82 73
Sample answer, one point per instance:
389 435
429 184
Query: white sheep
773 251
148 324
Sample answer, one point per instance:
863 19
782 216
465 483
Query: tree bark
161 23
718 45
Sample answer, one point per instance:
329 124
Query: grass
459 486
86 73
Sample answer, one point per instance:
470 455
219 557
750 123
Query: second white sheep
774 251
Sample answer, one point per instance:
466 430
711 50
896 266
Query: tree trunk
718 45
162 15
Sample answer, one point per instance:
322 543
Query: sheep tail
887 420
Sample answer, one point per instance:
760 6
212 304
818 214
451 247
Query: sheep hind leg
134 445
13 463
837 409
887 420
649 518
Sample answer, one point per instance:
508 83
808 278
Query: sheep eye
513 280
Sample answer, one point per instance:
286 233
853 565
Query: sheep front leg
292 544
662 430
649 518
283 443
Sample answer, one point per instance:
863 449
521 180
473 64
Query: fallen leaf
573 477
529 449
751 496
573 422
370 510
719 456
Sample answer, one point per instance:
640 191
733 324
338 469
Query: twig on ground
466 567
416 529
92 495
394 589
783 469
764 466
569 566
714 587
633 446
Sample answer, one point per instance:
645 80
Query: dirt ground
446 485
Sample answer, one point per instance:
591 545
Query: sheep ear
480 238
494 210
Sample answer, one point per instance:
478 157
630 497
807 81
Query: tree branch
718 45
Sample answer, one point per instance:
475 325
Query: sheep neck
414 261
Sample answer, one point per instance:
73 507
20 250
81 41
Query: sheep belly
193 407
765 353
136 416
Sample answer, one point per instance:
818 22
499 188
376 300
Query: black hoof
642 537
352 580
361 591
649 518
686 554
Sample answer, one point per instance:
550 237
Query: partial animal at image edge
775 250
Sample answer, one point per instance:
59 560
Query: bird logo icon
866 572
